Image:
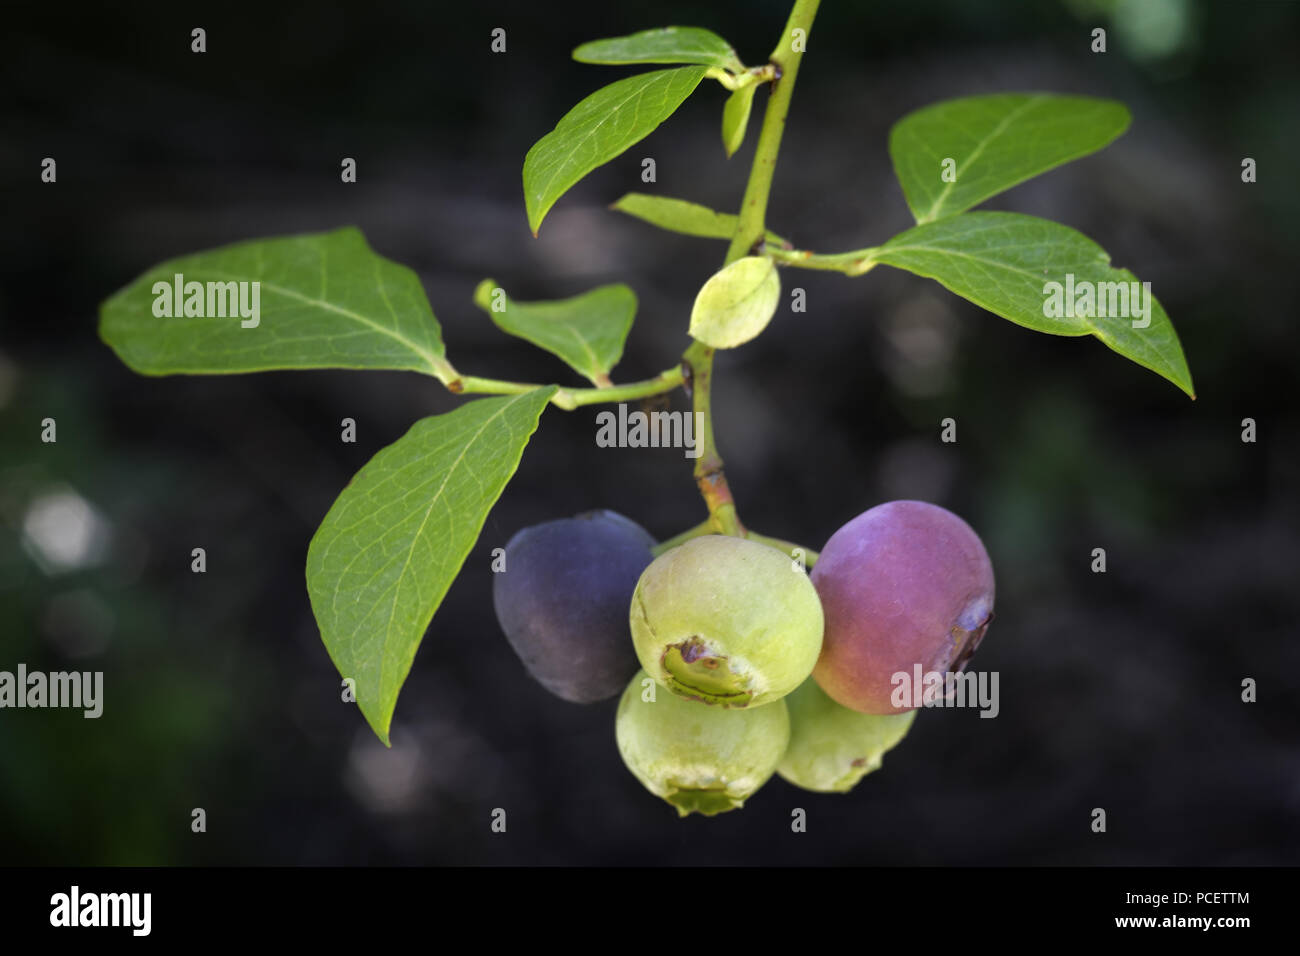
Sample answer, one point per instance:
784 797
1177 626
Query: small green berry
726 621
700 759
831 747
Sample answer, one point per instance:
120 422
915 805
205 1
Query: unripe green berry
700 759
831 747
726 621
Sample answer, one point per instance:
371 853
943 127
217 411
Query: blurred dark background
1118 690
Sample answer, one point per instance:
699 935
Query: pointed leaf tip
385 555
598 129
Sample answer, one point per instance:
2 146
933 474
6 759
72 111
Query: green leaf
665 45
389 548
736 303
1004 262
599 128
994 143
586 331
324 300
678 215
735 117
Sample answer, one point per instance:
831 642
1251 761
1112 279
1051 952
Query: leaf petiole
571 398
853 263
747 77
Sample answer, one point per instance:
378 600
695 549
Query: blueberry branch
785 58
751 230
697 364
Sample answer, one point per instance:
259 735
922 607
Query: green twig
786 59
698 365
571 398
736 81
750 231
853 263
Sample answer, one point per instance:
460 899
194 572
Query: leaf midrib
977 152
429 357
664 76
415 538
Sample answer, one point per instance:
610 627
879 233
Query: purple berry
904 584
562 601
